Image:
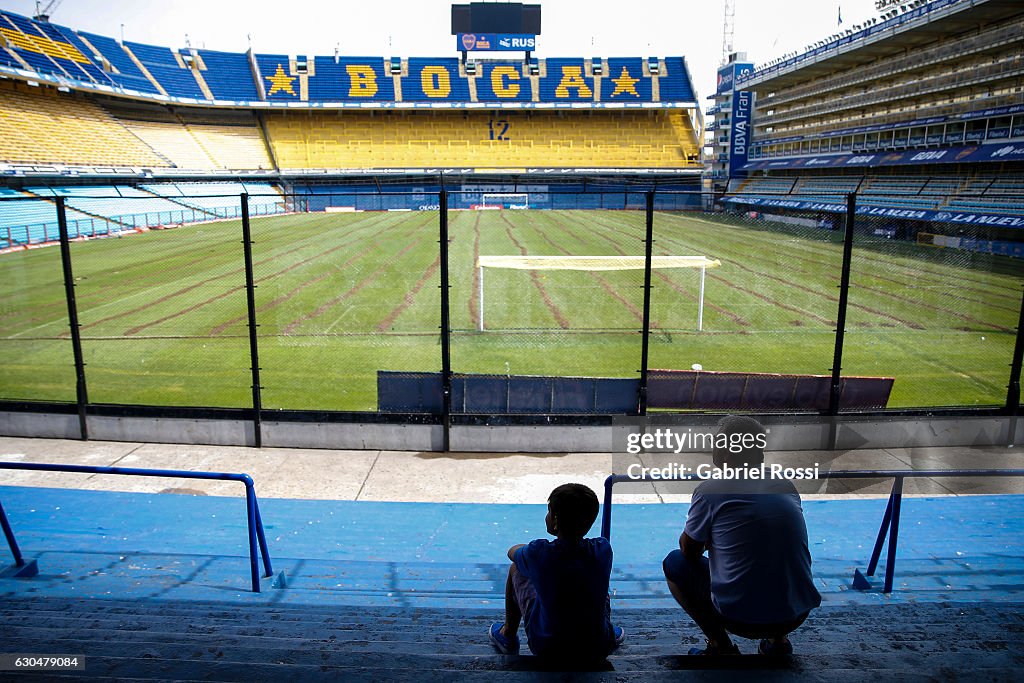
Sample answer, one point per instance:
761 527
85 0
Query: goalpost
590 263
511 200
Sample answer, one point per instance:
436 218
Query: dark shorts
694 580
526 596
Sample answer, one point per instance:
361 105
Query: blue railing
890 520
252 507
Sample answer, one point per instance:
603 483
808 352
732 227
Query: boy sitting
560 588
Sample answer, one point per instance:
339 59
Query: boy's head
572 509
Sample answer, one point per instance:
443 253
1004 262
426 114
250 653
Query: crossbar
252 507
890 519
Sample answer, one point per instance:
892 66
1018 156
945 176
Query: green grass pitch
341 296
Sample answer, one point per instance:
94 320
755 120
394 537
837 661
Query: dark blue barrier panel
529 394
404 392
409 392
572 395
753 391
482 393
616 395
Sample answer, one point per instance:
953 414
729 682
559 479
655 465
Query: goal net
505 201
593 263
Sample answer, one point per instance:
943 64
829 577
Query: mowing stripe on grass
719 278
600 280
210 300
291 293
986 281
290 327
885 293
388 321
559 316
677 287
182 291
788 283
474 294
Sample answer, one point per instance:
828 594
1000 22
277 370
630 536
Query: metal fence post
1013 393
844 294
250 296
646 331
81 394
446 354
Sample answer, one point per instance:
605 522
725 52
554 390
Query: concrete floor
398 476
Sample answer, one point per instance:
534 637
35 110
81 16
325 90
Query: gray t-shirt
760 563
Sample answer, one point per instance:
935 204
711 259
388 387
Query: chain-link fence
542 301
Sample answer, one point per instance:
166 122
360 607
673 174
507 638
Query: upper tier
56 54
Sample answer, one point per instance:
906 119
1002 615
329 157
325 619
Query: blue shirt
760 562
571 616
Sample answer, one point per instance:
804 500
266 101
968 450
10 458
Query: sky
764 29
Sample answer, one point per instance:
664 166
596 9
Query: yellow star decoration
625 84
281 81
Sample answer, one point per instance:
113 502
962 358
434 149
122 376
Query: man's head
740 442
572 509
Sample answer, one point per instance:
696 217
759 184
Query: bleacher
98 210
228 75
128 74
676 85
43 126
196 141
151 586
174 76
432 79
220 199
438 138
127 206
48 49
216 76
501 81
34 221
773 185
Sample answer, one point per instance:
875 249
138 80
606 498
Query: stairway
222 641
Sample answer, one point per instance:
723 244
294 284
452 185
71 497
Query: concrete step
154 640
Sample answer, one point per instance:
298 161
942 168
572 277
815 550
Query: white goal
510 200
591 263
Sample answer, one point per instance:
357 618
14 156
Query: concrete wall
786 433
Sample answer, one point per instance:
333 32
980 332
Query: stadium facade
919 111
133 110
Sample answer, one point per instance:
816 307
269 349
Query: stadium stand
504 82
167 68
49 49
924 123
433 79
676 85
513 139
43 126
34 221
210 75
217 197
228 74
124 70
124 205
565 79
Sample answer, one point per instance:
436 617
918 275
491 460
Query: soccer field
340 296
